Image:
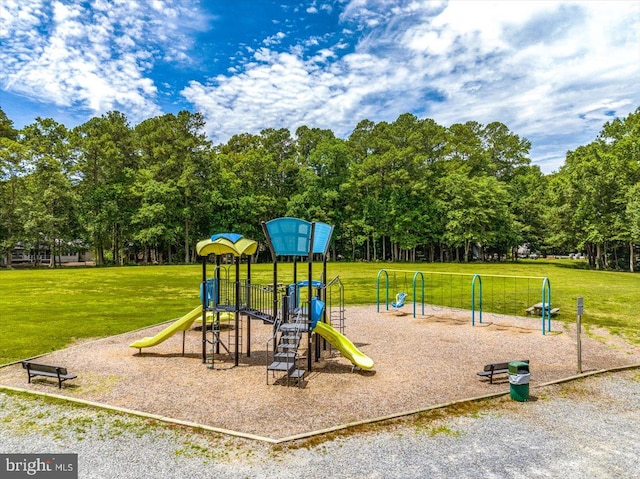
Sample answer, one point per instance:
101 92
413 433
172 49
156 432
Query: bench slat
52 375
495 371
44 367
495 366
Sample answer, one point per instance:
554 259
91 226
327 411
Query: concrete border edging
445 405
309 434
142 414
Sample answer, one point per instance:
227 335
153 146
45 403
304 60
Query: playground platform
421 362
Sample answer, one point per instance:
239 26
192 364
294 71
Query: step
284 356
290 336
298 327
281 366
261 315
297 374
288 346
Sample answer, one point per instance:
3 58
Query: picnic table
536 309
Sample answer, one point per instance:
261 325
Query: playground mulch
421 362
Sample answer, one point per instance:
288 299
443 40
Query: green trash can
519 377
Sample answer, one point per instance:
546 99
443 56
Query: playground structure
226 299
502 294
295 238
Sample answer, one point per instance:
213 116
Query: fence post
580 308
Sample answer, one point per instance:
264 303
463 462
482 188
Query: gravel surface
586 428
419 362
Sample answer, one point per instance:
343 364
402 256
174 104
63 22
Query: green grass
45 310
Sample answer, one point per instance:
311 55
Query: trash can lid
516 367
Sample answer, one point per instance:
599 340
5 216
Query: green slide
181 324
342 343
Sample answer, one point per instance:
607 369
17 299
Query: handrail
224 268
329 301
334 281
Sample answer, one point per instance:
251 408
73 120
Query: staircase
287 337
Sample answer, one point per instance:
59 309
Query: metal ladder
213 339
232 333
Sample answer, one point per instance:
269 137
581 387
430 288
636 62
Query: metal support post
580 310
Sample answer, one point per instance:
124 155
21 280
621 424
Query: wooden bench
37 369
492 369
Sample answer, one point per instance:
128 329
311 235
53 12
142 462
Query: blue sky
553 72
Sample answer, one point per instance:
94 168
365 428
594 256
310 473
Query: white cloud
542 68
280 89
326 7
17 16
529 74
91 59
551 71
274 39
323 55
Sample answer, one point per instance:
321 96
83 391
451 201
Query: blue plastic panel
303 284
321 237
317 308
289 236
295 302
210 291
233 237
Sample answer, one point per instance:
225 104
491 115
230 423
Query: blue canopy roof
289 236
233 237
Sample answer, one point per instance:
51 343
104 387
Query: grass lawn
45 310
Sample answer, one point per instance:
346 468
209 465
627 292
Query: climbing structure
226 298
295 316
216 296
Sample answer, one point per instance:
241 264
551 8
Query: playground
282 360
419 363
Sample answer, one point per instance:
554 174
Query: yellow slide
181 324
342 343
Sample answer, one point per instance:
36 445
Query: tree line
405 190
